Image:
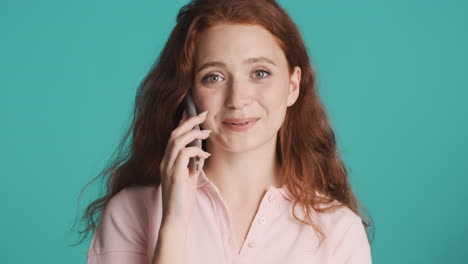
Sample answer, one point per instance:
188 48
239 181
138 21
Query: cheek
208 101
273 95
274 100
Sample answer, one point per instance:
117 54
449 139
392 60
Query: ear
294 84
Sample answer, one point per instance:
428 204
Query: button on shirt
128 231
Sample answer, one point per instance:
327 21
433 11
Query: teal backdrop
393 76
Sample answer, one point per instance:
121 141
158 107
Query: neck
243 177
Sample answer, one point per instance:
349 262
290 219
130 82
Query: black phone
194 163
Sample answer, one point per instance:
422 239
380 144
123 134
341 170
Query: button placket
271 197
261 218
266 206
221 208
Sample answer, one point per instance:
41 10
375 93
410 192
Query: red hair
306 147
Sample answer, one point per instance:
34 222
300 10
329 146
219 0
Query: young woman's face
241 72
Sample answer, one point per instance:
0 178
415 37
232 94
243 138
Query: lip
240 128
240 120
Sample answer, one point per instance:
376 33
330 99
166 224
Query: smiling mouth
239 127
245 123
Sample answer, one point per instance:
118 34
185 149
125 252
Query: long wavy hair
307 151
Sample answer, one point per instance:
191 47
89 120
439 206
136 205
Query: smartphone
194 163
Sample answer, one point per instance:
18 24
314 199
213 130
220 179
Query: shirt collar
203 179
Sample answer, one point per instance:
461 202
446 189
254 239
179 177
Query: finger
183 118
182 141
188 124
182 161
169 144
170 153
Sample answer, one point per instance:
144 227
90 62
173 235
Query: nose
238 94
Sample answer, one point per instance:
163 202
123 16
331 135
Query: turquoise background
392 74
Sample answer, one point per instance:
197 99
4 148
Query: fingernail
207 131
203 114
208 154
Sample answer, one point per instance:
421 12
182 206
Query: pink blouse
131 220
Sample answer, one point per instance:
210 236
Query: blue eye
262 71
209 76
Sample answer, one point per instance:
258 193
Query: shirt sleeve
354 247
120 237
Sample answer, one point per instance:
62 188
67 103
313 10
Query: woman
273 190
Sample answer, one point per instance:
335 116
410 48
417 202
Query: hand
179 184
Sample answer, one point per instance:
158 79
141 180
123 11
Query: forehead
236 42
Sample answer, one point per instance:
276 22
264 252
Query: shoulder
334 221
344 232
130 208
124 223
136 195
135 199
129 205
338 220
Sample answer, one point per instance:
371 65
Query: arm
171 244
121 236
354 246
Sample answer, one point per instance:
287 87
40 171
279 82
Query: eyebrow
249 60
